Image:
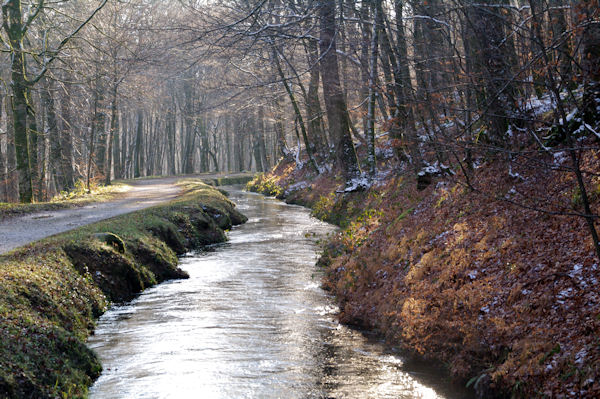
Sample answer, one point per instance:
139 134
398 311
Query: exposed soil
21 230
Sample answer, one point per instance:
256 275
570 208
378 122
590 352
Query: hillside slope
488 281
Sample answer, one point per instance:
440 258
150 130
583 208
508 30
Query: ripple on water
250 322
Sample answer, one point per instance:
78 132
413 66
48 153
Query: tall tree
335 103
16 25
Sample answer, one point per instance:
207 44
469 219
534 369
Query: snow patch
580 357
560 157
296 187
576 270
384 153
540 106
361 182
563 295
434 169
478 163
570 117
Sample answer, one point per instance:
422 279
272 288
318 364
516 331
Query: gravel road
21 230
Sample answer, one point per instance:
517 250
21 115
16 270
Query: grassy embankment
505 297
52 290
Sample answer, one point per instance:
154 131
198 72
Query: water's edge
252 321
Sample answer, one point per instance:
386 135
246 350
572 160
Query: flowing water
251 322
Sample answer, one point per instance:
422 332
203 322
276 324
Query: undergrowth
504 296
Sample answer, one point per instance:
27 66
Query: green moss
323 208
112 240
229 180
52 290
265 184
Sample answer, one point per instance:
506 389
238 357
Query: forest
488 109
106 90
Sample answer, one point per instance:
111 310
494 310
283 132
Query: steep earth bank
52 290
505 297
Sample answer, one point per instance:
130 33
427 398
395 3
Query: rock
111 239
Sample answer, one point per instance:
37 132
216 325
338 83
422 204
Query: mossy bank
51 291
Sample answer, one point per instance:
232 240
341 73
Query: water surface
251 322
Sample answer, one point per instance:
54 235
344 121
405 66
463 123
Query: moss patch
229 180
52 290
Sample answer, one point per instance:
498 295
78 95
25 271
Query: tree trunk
100 127
3 170
337 112
204 162
53 134
125 160
228 148
378 21
13 25
66 144
237 146
12 177
316 135
139 153
35 138
493 60
365 29
113 138
261 139
170 131
590 41
559 28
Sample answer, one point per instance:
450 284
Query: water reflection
251 322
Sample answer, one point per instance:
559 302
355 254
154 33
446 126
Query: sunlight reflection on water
251 322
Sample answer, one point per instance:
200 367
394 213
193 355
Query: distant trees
183 86
16 25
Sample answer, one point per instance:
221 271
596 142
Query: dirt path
22 230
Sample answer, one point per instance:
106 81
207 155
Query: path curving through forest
22 230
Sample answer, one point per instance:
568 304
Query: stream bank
51 291
503 297
252 322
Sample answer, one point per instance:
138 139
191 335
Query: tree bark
100 126
316 135
590 40
139 153
493 60
13 26
377 23
53 134
261 138
113 137
335 104
66 143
